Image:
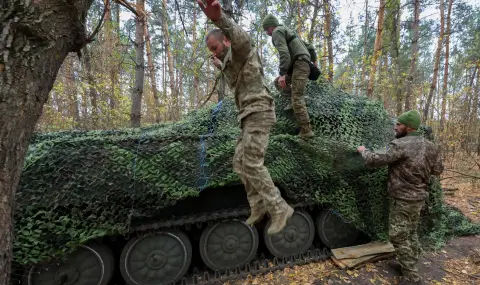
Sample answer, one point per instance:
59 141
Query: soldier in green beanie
411 159
295 56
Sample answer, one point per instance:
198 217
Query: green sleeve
240 39
394 153
280 43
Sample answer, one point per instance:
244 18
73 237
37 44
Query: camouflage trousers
248 162
404 220
298 80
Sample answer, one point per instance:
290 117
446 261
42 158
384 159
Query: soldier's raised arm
239 38
393 153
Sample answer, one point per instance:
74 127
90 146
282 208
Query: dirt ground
458 262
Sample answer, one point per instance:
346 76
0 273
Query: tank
162 205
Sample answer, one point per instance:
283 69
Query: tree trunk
151 72
314 21
196 80
299 19
328 35
362 80
171 71
445 73
438 51
377 47
476 97
414 56
73 106
92 93
34 42
137 92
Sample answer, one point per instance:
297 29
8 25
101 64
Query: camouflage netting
81 185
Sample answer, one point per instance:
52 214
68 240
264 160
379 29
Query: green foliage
80 185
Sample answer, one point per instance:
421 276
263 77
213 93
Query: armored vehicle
158 204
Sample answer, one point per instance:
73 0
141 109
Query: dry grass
460 190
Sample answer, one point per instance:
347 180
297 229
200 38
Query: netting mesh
76 186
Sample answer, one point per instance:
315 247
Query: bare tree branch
95 31
211 93
128 6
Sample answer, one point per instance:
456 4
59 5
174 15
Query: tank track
258 266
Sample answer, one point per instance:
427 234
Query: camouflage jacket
411 160
243 71
290 48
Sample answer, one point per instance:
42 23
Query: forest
149 62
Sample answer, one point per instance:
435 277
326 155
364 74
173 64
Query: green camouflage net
77 186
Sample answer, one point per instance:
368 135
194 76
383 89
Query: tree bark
171 71
314 21
137 92
328 35
92 93
414 56
74 108
445 73
151 72
377 47
438 51
365 58
196 80
35 38
476 97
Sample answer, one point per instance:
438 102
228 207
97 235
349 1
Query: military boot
306 132
280 215
256 215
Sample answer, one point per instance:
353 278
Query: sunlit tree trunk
445 73
377 47
137 92
328 35
152 73
414 55
438 51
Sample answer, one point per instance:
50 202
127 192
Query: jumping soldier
239 61
411 160
295 55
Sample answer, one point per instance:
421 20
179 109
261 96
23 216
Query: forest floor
458 262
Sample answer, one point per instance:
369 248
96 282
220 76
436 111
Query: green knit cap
270 21
410 119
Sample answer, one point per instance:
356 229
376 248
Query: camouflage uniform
243 72
294 57
411 160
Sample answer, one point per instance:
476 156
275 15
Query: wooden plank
352 262
358 251
376 258
349 263
338 262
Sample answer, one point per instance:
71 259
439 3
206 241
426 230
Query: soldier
295 56
239 61
411 159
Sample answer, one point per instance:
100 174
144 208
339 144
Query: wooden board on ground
358 251
349 263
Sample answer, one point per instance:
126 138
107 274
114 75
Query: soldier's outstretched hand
213 10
